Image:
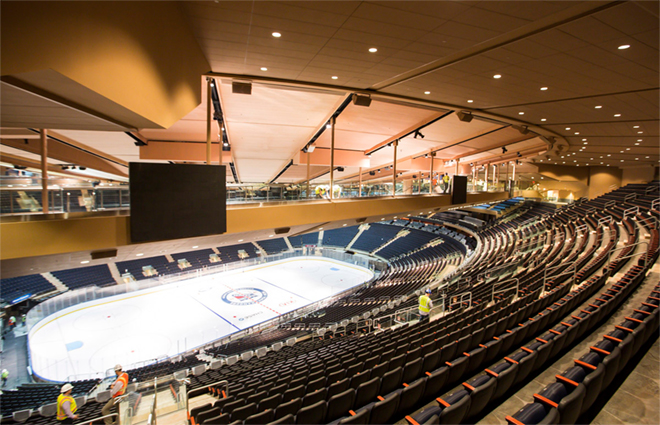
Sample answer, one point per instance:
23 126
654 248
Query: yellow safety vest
424 301
124 382
60 401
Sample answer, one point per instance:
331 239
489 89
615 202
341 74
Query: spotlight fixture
504 150
418 133
340 169
372 173
82 168
519 155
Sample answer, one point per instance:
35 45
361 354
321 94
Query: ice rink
87 339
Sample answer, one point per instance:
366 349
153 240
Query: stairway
56 282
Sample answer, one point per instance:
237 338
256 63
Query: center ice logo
244 296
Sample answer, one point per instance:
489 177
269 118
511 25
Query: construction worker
445 182
4 376
425 305
117 389
66 405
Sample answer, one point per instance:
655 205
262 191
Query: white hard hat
66 387
117 368
428 291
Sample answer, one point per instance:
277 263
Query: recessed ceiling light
270 236
521 113
598 107
87 261
373 50
601 162
635 126
609 154
334 77
624 46
627 149
195 247
427 92
577 132
343 225
320 228
622 160
640 140
139 255
568 128
637 144
496 76
277 35
647 157
617 115
640 132
621 152
575 160
636 159
563 162
591 159
544 88
263 68
543 119
470 101
608 165
601 157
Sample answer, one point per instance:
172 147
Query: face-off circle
244 296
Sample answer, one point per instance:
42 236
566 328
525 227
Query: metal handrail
494 269
605 220
655 204
629 197
610 204
460 299
571 265
514 279
223 382
609 256
630 211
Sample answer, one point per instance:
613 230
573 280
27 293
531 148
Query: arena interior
301 173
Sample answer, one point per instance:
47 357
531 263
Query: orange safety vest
123 378
60 401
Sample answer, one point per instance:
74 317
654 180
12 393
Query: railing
630 211
502 291
605 220
571 266
460 301
609 256
655 204
629 197
68 195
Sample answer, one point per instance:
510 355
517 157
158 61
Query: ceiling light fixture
334 77
504 149
497 76
598 107
418 133
277 35
617 115
543 119
373 50
624 47
263 68
427 92
470 101
521 113
544 88
84 262
568 128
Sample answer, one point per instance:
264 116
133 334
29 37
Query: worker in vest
66 405
4 375
445 182
425 306
118 388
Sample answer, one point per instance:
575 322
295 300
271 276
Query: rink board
87 339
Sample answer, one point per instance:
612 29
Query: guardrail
571 265
630 211
609 256
501 291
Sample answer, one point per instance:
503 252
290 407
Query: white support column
332 157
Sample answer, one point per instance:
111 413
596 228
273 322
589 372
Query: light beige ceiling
450 50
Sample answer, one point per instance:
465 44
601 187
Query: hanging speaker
464 116
359 100
241 87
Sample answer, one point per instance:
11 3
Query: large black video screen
173 201
459 190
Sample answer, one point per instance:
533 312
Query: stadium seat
313 414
